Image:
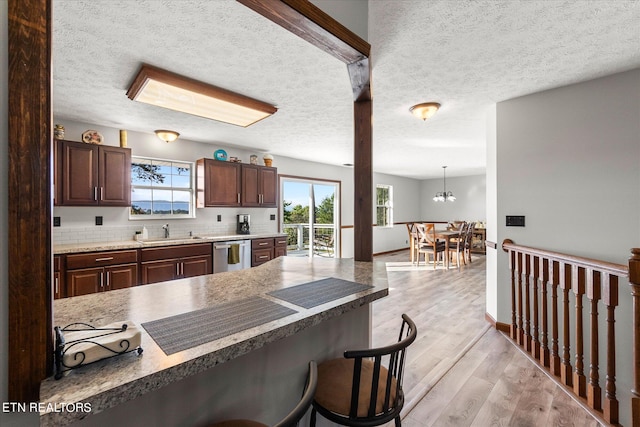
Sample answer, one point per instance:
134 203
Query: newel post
634 282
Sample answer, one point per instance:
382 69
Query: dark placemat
187 330
315 293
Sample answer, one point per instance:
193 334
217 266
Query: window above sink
161 189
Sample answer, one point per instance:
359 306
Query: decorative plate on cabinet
92 137
220 155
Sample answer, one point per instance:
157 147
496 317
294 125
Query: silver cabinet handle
238 197
56 285
263 256
95 193
102 279
281 241
101 193
109 258
182 268
177 269
107 279
263 243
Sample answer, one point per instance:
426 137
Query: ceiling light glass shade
444 196
168 90
167 135
425 110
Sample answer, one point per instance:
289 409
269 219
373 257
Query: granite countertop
113 381
148 243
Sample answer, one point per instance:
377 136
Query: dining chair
459 242
411 229
295 415
428 244
468 243
364 388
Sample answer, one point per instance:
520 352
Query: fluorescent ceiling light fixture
169 90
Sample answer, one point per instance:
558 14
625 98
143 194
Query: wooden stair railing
544 277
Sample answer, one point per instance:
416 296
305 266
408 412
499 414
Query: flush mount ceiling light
167 135
425 110
444 196
165 89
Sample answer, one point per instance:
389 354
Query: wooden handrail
542 282
604 266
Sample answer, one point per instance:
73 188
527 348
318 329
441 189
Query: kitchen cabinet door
196 266
159 271
114 173
58 283
78 174
121 276
218 183
251 192
269 187
84 281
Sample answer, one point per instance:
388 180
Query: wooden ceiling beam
310 23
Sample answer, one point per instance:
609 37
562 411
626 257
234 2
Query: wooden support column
363 183
30 347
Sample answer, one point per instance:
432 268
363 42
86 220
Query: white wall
406 208
569 160
470 204
492 215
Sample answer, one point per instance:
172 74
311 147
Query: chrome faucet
166 231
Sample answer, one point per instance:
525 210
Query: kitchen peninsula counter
112 382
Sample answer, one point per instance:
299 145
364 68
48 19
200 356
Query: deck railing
539 279
298 238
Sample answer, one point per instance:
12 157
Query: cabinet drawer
260 256
280 241
261 244
98 259
168 252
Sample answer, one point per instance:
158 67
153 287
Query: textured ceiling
466 55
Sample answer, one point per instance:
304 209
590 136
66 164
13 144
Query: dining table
445 235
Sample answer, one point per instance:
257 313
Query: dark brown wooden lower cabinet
100 279
263 250
175 262
171 269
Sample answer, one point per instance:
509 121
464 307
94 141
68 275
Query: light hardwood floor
460 371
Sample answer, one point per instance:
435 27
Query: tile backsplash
78 230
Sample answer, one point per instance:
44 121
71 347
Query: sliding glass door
310 216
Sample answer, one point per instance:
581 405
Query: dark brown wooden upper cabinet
218 183
92 175
259 186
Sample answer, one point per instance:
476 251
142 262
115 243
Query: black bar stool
358 390
296 413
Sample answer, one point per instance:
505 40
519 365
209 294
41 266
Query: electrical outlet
56 221
219 218
273 217
98 220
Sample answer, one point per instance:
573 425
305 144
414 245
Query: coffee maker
243 224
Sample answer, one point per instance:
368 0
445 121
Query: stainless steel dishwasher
221 255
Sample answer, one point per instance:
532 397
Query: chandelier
444 196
